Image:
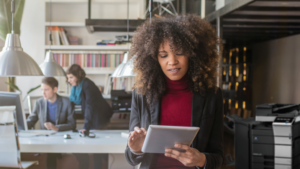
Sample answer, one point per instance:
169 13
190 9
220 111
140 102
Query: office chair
10 148
162 7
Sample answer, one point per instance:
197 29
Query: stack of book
106 42
120 40
58 35
74 40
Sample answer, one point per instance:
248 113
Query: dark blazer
64 114
96 110
207 113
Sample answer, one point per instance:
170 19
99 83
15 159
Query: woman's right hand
136 139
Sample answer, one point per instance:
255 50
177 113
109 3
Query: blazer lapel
197 109
198 104
45 112
155 109
59 106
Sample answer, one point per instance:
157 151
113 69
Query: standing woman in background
176 63
96 110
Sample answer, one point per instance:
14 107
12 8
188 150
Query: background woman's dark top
207 113
95 108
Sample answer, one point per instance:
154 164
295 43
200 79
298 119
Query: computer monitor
15 99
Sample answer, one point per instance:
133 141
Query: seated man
54 112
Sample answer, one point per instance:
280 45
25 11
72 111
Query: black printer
268 112
121 100
267 143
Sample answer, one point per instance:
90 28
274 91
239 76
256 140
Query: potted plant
15 87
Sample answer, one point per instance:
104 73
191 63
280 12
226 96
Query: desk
107 141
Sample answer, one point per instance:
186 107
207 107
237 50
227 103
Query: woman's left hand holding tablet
190 158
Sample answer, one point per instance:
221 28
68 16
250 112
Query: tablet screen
160 137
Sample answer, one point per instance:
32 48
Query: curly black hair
189 34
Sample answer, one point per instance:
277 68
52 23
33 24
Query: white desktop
112 142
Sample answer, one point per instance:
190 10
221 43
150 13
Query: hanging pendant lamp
15 62
50 67
125 69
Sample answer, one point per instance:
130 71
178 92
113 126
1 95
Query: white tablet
160 137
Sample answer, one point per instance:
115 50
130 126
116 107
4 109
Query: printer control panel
284 119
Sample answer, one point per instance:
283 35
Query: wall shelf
87 47
66 24
96 70
93 1
71 15
115 25
66 1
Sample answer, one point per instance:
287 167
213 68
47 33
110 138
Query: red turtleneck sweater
176 110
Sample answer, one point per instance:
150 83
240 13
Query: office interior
258 66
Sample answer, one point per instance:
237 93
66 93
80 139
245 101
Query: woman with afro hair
176 61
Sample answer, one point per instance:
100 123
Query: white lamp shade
118 70
50 67
15 62
125 69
